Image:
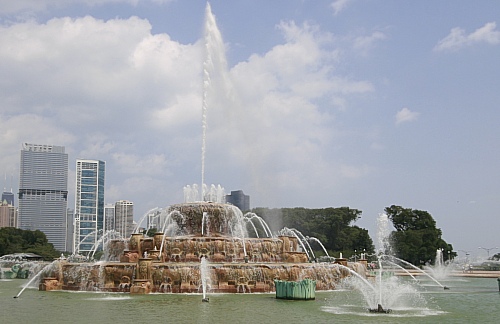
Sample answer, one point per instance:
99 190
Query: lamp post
488 250
354 256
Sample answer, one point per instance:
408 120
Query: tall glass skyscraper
89 223
43 191
124 217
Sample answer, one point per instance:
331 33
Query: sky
313 103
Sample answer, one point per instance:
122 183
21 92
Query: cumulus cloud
406 115
111 90
458 38
339 5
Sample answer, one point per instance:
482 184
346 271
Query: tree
15 240
150 232
416 238
332 226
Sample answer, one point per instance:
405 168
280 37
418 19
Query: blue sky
355 103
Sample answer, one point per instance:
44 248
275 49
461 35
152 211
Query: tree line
416 238
15 240
334 227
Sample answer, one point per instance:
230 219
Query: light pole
488 250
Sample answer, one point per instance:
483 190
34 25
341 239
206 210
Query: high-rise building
70 221
124 217
155 219
89 205
239 199
109 217
43 191
8 196
8 214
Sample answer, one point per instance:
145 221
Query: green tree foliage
150 232
416 238
332 226
15 240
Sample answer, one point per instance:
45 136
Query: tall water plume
383 234
214 65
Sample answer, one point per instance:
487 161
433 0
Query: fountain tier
213 232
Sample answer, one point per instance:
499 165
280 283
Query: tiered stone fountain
171 263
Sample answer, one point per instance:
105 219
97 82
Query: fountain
208 247
440 270
387 292
18 266
203 242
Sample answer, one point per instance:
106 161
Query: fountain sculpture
206 247
203 244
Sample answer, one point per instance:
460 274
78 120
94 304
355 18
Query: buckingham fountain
213 232
206 245
237 253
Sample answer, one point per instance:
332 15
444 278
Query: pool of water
468 300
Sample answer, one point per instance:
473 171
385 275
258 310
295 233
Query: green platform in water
296 290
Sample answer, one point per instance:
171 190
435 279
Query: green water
469 300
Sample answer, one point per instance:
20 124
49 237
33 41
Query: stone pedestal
135 243
50 283
341 261
140 286
144 268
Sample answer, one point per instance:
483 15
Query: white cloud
339 5
364 43
406 115
111 90
458 38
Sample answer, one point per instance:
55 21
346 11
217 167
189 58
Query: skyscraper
43 191
239 199
109 217
8 196
124 217
89 204
8 214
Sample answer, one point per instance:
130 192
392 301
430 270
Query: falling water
37 276
416 268
319 242
168 221
104 240
250 216
203 221
301 239
149 212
